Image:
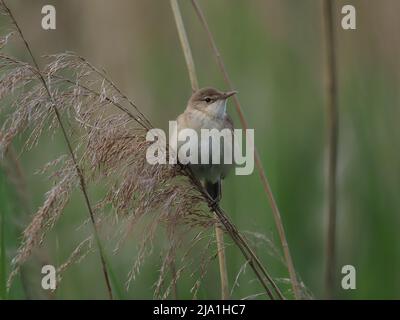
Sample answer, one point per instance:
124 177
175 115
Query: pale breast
198 120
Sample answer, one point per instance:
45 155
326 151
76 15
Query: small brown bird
206 109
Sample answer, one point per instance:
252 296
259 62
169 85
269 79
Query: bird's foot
213 204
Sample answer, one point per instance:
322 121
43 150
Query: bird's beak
229 94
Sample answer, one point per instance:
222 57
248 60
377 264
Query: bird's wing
229 122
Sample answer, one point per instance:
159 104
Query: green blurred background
274 52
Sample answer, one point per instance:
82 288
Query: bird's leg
219 197
214 191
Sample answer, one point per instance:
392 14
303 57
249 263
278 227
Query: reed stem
187 52
195 86
219 235
259 166
332 141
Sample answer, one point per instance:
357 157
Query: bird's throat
217 109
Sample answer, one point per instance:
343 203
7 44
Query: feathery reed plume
267 188
332 142
80 252
112 152
110 133
16 175
54 106
112 148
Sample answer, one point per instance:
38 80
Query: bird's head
210 101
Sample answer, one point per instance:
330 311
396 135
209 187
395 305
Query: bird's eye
207 99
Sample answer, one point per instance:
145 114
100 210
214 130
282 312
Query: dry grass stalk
267 188
187 52
223 270
195 86
332 142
